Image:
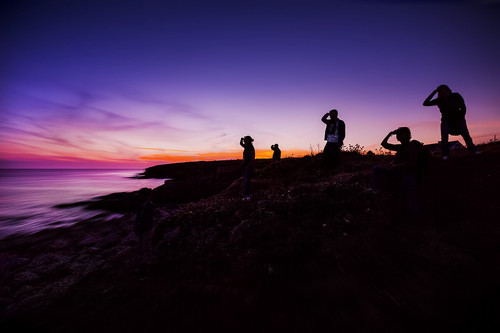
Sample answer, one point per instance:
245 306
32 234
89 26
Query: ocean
28 197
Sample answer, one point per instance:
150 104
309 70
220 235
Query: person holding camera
247 165
452 108
402 178
276 152
334 136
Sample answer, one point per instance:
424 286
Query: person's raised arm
387 145
323 119
242 142
428 101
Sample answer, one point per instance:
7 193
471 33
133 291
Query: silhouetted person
334 136
247 165
452 108
144 224
402 177
276 152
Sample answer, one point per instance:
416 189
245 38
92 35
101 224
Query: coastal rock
244 228
276 262
107 241
26 277
4 291
60 244
49 259
10 264
172 235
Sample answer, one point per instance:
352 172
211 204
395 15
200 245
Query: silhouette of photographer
334 136
452 108
247 165
402 178
276 152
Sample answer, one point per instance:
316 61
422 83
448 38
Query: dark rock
26 277
277 262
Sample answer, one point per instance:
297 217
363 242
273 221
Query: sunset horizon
134 84
148 160
249 165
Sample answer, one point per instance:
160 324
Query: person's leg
246 183
327 154
444 138
464 132
247 177
335 154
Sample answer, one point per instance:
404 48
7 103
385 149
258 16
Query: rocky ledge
313 250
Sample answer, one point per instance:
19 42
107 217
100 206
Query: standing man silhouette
334 136
452 108
247 165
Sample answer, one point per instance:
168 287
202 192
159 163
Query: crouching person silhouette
402 179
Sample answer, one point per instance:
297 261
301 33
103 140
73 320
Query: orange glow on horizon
214 156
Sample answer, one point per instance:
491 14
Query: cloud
77 122
79 114
24 136
91 117
161 149
166 105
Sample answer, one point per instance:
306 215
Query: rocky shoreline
313 250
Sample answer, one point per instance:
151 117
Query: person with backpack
403 177
452 108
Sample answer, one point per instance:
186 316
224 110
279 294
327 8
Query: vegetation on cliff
313 250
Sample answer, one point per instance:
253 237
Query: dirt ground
313 250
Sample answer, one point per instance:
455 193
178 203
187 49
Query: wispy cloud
161 149
168 106
79 122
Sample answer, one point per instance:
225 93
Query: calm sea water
28 197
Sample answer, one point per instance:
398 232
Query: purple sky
137 83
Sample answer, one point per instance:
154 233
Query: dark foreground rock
313 250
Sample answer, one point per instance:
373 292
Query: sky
131 84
